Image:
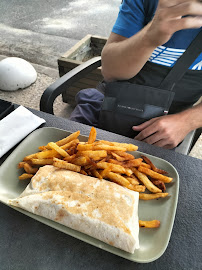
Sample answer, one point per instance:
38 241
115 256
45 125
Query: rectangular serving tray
153 242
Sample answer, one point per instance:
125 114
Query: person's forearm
123 60
193 117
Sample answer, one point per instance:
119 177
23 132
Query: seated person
146 41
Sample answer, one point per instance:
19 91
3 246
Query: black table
28 244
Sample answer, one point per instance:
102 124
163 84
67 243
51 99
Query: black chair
64 82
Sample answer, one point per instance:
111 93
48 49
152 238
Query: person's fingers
168 146
164 143
166 3
183 9
144 125
173 16
154 138
151 129
187 23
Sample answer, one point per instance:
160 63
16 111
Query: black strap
183 63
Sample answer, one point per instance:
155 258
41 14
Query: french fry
70 158
25 176
47 154
137 188
125 155
58 149
149 224
89 167
129 147
29 169
147 197
87 147
30 157
65 165
128 172
145 180
92 135
104 142
104 173
109 147
42 161
160 184
83 172
114 161
70 144
145 165
133 181
94 154
114 167
69 138
117 157
97 174
80 161
133 163
128 163
42 148
72 150
117 178
155 175
124 182
21 164
153 167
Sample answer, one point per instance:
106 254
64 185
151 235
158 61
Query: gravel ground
30 96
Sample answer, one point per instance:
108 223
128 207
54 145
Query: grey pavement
41 31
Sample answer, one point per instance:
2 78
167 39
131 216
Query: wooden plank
96 77
70 66
69 100
68 97
92 75
87 81
68 62
96 42
83 85
98 39
83 42
65 69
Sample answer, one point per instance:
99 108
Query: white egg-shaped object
16 73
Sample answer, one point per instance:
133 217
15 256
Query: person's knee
88 96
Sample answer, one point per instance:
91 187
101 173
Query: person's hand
171 16
164 131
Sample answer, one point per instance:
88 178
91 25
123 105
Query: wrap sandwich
99 208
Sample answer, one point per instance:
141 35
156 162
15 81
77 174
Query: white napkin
16 126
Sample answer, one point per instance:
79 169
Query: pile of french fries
104 160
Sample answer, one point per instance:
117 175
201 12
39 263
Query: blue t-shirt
135 14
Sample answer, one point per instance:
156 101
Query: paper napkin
16 126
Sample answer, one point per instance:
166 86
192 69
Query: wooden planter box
87 48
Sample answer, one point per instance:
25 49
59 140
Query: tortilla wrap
99 208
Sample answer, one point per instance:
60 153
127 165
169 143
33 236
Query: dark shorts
87 110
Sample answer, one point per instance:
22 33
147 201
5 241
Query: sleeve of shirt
131 18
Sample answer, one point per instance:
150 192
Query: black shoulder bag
127 104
